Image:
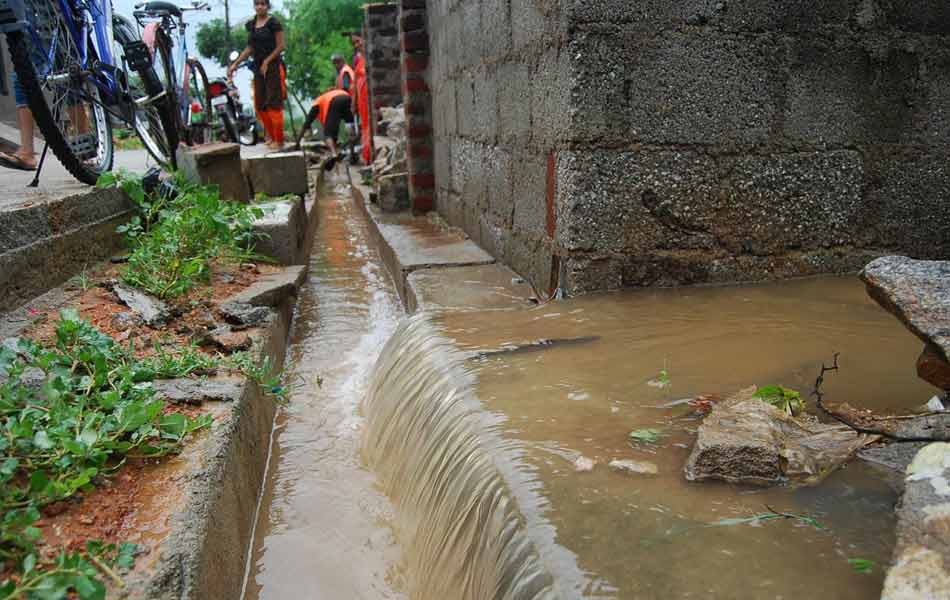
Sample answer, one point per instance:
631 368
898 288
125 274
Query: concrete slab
409 243
463 289
217 164
283 232
277 174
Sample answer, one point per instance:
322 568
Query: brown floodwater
323 529
661 536
425 470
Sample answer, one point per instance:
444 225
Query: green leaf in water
861 565
781 398
649 436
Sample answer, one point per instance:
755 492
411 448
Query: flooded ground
323 530
472 490
660 536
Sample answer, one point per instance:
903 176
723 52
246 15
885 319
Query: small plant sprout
861 565
784 399
646 436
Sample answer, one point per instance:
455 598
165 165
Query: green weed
60 434
175 239
861 565
784 399
649 436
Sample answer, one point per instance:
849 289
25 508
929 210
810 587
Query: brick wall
417 100
596 144
381 29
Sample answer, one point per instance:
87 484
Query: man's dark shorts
339 111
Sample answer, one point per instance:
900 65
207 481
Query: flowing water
447 470
323 529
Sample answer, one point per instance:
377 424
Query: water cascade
438 456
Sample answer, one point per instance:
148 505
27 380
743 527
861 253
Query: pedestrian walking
265 42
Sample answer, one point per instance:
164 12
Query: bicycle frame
84 20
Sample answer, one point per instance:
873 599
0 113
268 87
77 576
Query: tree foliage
214 43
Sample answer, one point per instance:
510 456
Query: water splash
439 458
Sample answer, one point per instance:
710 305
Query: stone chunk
277 174
242 313
153 311
216 164
933 369
922 552
745 440
196 391
918 293
229 341
634 467
272 289
282 231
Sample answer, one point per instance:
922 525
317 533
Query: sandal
13 161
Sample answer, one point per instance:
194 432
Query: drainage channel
323 528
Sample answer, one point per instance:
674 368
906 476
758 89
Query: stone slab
918 293
282 231
277 174
47 238
922 554
474 288
197 391
217 164
271 289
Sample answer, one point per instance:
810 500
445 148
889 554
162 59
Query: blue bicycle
80 67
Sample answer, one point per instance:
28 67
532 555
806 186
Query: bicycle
80 67
188 86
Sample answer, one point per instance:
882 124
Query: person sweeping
332 109
265 41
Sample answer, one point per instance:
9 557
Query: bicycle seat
158 6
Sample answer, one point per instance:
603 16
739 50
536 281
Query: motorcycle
238 126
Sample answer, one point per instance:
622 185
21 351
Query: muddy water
322 531
659 536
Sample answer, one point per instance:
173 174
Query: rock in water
634 467
745 440
918 293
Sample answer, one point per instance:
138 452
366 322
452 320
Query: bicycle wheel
201 122
164 67
67 107
153 122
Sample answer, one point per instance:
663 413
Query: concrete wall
596 144
382 49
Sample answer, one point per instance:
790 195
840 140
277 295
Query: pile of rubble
390 173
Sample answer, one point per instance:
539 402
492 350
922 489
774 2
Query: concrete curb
43 244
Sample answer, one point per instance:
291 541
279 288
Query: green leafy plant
175 239
861 565
70 415
649 436
261 373
784 399
181 362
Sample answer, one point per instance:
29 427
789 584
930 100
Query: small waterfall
446 469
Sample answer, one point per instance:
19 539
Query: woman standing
265 40
361 99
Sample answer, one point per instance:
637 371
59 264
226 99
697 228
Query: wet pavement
322 530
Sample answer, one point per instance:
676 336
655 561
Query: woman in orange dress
361 99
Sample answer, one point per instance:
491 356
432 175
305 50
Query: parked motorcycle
238 126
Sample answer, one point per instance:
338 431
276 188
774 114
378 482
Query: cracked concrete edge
206 553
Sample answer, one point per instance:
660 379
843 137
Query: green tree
318 32
214 43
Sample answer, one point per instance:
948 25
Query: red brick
415 41
420 150
424 181
415 85
416 63
422 203
419 131
413 3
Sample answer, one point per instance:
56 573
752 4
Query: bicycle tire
197 72
170 115
45 121
124 34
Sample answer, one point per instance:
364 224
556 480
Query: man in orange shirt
345 77
332 108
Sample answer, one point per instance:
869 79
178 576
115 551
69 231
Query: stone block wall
595 144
